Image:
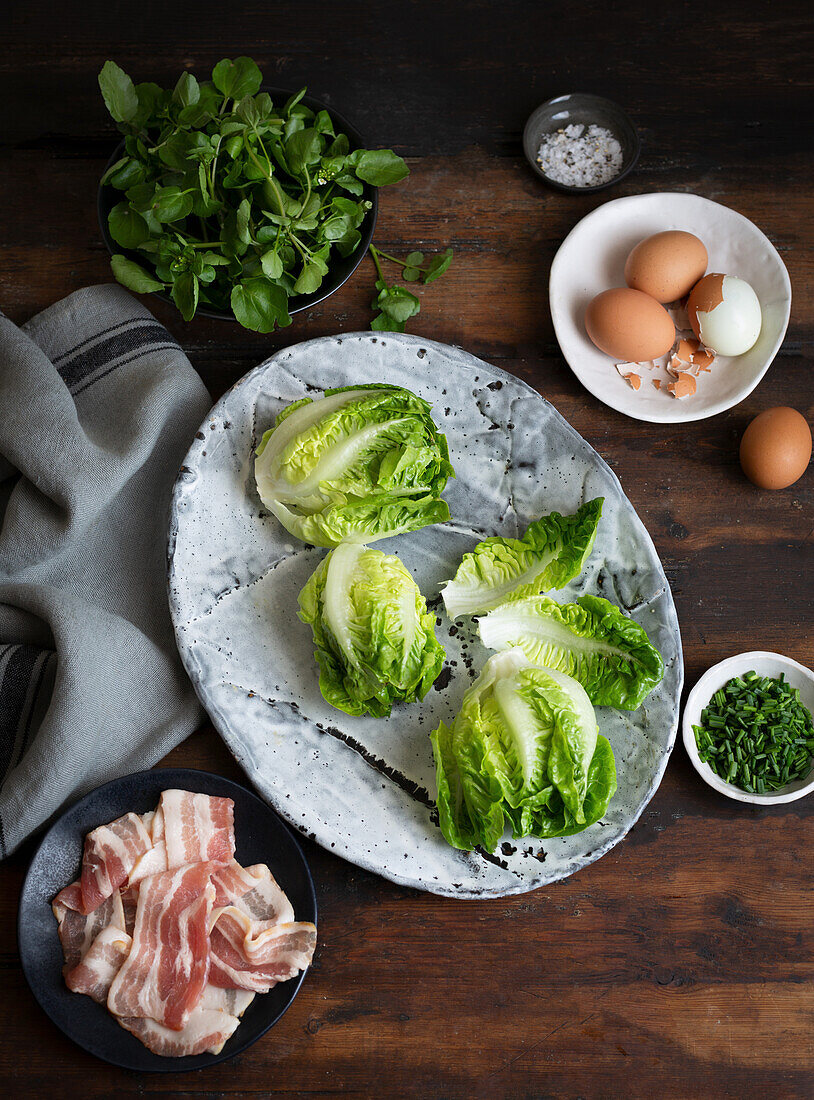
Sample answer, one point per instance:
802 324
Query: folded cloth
98 405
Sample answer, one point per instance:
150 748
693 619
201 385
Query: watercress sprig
394 305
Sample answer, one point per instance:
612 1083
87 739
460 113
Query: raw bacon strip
100 964
168 965
233 1001
153 862
254 890
78 930
111 852
129 899
197 827
256 955
206 1031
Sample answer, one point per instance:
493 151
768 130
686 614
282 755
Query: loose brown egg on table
629 325
776 448
667 265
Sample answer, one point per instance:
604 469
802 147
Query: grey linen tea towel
98 405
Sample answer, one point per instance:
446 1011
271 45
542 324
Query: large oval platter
365 787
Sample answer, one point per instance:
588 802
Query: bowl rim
716 676
303 301
567 188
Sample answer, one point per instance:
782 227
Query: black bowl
584 109
261 837
341 268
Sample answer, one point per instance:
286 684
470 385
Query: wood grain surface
681 964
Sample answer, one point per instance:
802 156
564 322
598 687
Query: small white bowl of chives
752 752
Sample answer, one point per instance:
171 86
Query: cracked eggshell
363 787
725 315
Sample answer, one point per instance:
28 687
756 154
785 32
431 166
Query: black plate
261 837
342 267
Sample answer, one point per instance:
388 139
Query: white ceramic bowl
765 664
592 259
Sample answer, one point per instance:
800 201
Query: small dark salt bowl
586 110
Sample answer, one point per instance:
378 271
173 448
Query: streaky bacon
211 1023
129 898
254 890
100 964
197 827
152 862
256 955
166 971
111 852
78 930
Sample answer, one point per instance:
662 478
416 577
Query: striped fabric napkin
98 405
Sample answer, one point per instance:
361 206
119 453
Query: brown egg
776 448
667 265
629 325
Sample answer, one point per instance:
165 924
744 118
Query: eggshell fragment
629 325
667 265
776 448
684 386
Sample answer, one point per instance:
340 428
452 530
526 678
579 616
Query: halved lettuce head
375 640
591 640
361 463
552 552
524 751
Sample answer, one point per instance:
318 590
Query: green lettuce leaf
552 552
375 640
524 750
361 463
591 640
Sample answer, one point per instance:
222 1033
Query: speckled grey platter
365 787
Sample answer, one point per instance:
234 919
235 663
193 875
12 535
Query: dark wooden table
681 964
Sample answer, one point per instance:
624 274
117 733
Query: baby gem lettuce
525 751
360 463
375 640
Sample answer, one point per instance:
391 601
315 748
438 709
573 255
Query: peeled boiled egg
776 448
629 325
725 314
667 265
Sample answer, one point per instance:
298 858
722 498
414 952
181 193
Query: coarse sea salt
580 157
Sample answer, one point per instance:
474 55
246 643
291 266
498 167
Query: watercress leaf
141 196
349 243
272 264
204 110
383 323
398 303
242 220
247 110
127 227
264 105
214 259
204 206
303 149
118 92
151 100
125 173
411 274
293 101
323 123
185 294
171 204
206 275
381 167
350 183
234 145
133 276
339 147
309 279
260 305
237 78
414 259
438 265
186 91
266 233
